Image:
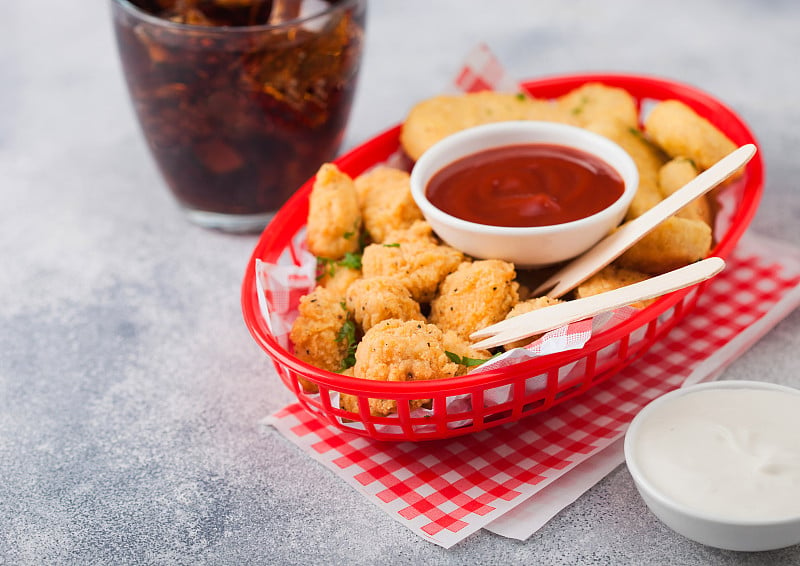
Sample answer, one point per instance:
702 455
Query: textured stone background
130 390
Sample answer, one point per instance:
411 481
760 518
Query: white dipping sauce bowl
696 521
535 246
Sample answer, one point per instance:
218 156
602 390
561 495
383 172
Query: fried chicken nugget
595 102
672 244
337 278
315 332
456 344
419 266
645 155
675 174
419 232
526 307
384 195
396 350
435 118
681 132
609 278
474 296
376 299
334 217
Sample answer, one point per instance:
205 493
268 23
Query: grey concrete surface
130 390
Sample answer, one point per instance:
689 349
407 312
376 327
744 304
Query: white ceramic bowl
526 246
741 527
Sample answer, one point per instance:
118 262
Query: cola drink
240 101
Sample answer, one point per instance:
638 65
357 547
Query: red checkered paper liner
445 490
481 71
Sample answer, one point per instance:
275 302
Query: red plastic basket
604 355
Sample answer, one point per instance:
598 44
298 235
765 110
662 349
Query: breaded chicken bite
457 347
337 278
384 195
672 244
526 307
609 278
316 332
474 296
593 102
334 217
419 232
673 176
435 118
681 132
396 350
419 266
376 299
645 155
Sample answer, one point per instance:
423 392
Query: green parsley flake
463 360
328 266
347 335
351 260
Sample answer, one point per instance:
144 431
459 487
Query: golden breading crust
334 217
435 118
396 350
609 278
672 244
595 102
681 132
314 332
673 176
420 232
474 296
526 307
419 266
645 155
384 195
337 278
376 299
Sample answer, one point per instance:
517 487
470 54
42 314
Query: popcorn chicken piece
609 278
419 266
672 176
315 332
647 196
435 118
419 232
396 350
376 299
681 132
526 307
459 346
348 403
334 217
672 244
645 155
337 278
474 296
384 195
648 158
595 102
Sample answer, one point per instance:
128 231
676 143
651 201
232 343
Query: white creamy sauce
733 453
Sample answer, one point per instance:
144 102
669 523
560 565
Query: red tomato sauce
525 185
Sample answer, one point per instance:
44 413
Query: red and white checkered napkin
446 490
482 70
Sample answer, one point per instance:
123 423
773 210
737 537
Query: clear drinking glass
240 101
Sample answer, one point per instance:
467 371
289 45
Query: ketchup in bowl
525 185
528 192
